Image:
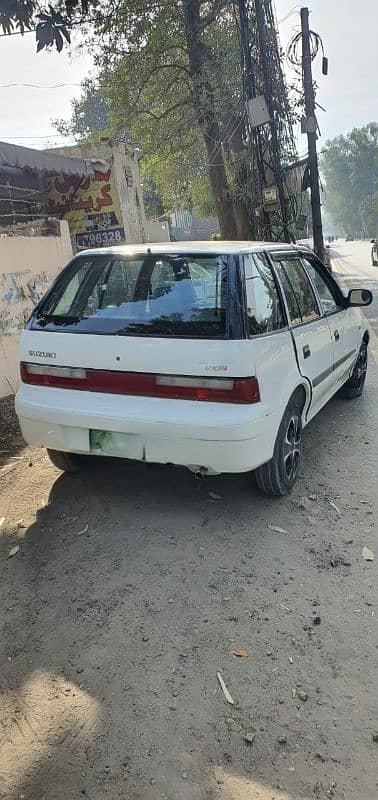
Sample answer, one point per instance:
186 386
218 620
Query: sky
349 93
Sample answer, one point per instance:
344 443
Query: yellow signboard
88 204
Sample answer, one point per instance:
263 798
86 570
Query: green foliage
144 85
350 167
17 15
369 213
169 74
90 115
52 23
202 200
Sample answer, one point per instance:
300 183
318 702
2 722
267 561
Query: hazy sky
349 93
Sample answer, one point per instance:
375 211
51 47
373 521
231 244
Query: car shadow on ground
122 604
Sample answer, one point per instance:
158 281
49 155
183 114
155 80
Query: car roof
188 247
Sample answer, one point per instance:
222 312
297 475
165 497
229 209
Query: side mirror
360 297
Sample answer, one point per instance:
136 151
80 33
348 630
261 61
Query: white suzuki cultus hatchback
212 355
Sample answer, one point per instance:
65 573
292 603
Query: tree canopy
169 80
350 167
169 75
52 22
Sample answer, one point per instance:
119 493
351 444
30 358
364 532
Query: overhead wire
19 188
19 200
293 53
147 151
36 85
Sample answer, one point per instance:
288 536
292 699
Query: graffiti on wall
19 292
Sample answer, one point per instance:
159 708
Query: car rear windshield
147 295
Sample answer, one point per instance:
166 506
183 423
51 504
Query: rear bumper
221 437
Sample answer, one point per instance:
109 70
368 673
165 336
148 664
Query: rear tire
278 476
67 462
355 385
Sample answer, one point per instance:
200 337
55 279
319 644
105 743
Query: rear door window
327 296
161 295
300 297
264 309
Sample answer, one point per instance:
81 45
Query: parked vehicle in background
211 355
349 238
374 253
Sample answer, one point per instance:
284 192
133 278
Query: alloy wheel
291 450
361 366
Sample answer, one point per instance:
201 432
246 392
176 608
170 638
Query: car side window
264 309
327 299
301 300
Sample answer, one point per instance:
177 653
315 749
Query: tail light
181 387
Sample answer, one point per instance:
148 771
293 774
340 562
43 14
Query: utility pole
311 124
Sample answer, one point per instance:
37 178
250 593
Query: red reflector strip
144 384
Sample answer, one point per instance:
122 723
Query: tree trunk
244 227
245 221
204 104
219 183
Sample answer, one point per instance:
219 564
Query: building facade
105 207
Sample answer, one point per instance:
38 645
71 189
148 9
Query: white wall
27 265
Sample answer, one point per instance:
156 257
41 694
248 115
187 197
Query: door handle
306 351
336 335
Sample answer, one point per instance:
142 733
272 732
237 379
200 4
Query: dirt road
132 587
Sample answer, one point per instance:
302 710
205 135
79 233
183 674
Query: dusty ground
112 634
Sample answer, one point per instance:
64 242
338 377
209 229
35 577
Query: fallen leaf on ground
368 554
334 506
277 528
215 496
84 530
2 520
239 653
21 524
13 551
225 691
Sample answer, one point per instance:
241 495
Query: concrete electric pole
311 128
